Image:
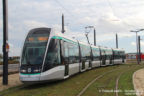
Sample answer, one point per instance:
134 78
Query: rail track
89 84
117 82
106 84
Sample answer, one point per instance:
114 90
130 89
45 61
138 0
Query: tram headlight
37 70
23 71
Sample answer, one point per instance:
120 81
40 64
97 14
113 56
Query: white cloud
14 50
34 24
134 43
124 16
142 43
10 27
0 24
125 35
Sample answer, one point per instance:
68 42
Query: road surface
11 67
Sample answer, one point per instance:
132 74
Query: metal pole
5 41
62 23
139 48
87 38
94 37
116 40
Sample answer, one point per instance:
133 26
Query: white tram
48 56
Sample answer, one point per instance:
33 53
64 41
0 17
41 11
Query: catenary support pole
137 47
87 38
5 42
63 30
94 37
116 40
139 40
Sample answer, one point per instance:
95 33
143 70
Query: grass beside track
106 86
73 85
125 82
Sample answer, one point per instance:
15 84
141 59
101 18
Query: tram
49 56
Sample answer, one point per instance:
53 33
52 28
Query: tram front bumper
29 77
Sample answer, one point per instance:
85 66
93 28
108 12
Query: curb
134 85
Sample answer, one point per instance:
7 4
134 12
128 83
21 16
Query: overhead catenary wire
80 24
61 5
69 13
109 3
111 7
114 13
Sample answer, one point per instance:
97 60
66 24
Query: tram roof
58 33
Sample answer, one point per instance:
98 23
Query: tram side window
121 54
53 54
76 52
109 54
71 52
96 54
85 52
116 55
88 53
83 57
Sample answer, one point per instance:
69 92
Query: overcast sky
108 16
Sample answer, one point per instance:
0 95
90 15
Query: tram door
103 57
83 65
66 58
111 57
66 69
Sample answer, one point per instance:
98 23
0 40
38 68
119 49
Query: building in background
16 58
134 56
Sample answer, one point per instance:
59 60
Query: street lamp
136 31
141 29
94 33
86 34
5 42
139 43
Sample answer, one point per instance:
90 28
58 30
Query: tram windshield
34 49
53 55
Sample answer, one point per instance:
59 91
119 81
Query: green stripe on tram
62 38
56 37
30 74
